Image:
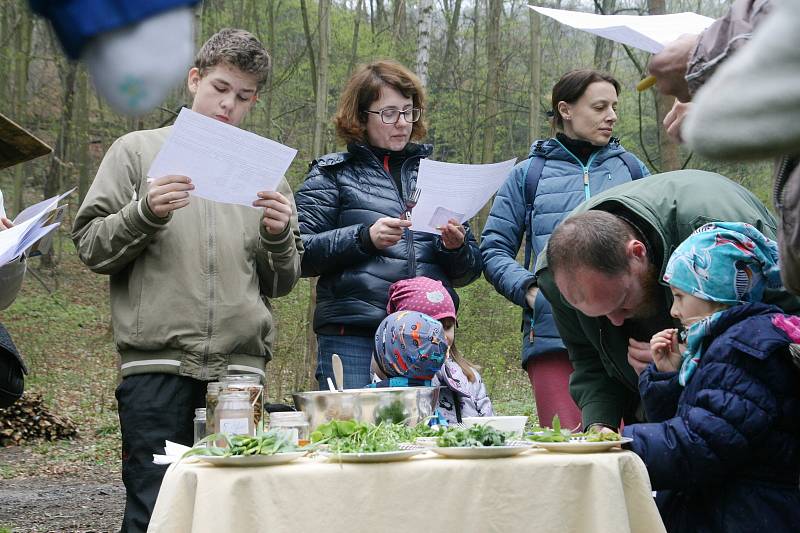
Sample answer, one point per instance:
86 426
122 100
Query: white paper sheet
42 207
649 32
225 163
450 190
2 206
31 225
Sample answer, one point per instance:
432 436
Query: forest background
488 66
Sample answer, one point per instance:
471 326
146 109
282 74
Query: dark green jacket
666 208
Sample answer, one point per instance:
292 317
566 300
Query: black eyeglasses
390 115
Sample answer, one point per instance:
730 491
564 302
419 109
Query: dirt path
77 498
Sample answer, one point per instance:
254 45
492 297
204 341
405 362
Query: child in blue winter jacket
723 398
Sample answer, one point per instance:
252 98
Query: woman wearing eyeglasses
353 210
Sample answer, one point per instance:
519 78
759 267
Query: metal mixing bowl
408 405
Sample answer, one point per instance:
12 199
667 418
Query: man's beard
652 294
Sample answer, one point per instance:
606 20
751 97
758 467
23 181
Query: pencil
646 83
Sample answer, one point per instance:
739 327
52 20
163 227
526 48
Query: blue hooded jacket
560 190
723 453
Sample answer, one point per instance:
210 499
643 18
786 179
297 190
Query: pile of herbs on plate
350 436
559 434
264 443
479 435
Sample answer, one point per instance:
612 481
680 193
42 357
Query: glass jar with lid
234 414
252 384
293 423
212 399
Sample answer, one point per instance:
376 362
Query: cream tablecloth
538 491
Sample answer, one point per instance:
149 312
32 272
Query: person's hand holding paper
168 193
277 211
452 194
223 163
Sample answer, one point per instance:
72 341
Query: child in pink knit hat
463 392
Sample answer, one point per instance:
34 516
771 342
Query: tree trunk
320 120
668 150
603 48
535 66
354 47
452 30
309 46
321 115
495 9
82 134
398 26
424 41
271 76
22 62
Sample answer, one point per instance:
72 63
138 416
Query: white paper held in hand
451 190
225 163
648 32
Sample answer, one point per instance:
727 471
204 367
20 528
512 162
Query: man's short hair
364 88
594 239
237 48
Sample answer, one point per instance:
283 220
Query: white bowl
512 424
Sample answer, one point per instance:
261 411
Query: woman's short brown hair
571 87
364 88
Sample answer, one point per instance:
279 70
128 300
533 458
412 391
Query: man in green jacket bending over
191 279
603 276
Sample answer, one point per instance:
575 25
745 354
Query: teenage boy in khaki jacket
191 279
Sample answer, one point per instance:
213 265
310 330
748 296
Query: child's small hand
665 350
168 193
277 211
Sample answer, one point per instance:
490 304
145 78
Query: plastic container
234 414
293 423
199 424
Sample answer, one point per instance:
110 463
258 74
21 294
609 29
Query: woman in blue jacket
583 159
352 213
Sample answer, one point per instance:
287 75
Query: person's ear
193 80
637 251
564 110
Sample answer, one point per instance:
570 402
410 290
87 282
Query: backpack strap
632 163
532 177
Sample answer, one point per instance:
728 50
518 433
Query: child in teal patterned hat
720 265
410 347
722 443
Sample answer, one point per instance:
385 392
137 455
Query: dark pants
152 408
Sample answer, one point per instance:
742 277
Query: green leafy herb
264 443
556 434
479 435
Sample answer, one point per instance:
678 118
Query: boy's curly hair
237 48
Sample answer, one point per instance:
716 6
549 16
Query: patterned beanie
421 294
725 262
411 345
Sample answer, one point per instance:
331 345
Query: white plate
480 452
372 457
251 460
582 446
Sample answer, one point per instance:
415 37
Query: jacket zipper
587 193
211 286
412 258
780 180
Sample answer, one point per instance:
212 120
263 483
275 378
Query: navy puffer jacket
346 192
729 460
